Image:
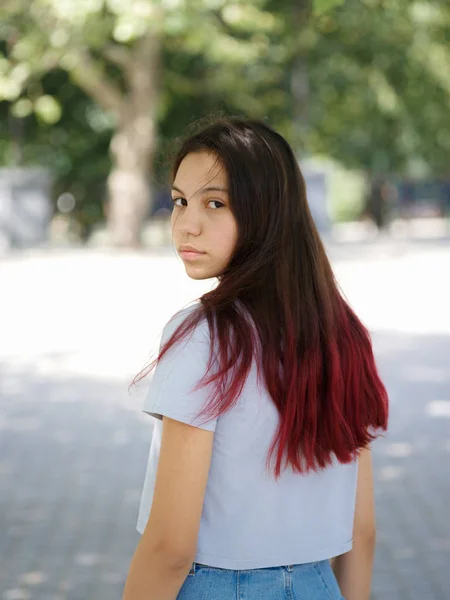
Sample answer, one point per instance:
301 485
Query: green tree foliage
131 59
381 88
322 6
364 81
75 149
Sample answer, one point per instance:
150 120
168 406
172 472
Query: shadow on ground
73 454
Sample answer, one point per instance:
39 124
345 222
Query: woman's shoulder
199 333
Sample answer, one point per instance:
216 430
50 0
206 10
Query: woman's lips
190 254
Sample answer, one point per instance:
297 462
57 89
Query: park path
77 325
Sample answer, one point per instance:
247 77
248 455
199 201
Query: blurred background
93 94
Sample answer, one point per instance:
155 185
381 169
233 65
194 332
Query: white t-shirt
249 520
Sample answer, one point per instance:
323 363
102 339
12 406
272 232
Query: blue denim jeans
310 581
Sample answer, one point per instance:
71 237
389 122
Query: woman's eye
178 201
216 202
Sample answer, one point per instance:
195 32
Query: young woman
265 397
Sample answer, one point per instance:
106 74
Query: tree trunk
375 207
132 147
300 74
300 95
129 195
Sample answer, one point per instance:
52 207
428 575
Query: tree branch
117 55
85 71
90 76
144 69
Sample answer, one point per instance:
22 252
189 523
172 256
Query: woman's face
204 229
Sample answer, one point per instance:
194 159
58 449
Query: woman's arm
353 570
154 574
168 545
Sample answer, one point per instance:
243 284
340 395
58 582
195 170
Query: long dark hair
278 294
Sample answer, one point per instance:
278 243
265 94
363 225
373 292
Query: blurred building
25 207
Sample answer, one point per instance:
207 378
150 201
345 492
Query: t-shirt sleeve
171 392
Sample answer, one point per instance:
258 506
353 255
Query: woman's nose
189 221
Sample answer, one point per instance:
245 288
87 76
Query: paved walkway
73 444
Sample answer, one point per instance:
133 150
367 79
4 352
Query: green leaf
322 6
48 109
22 108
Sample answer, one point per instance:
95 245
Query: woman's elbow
173 556
178 556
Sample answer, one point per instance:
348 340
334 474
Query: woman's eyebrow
212 188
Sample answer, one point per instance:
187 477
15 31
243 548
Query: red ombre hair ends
278 303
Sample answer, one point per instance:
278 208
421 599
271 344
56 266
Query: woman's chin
197 273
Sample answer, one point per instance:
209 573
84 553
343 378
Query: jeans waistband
288 568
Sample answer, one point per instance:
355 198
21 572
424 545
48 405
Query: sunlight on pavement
390 472
409 293
100 313
399 450
438 408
